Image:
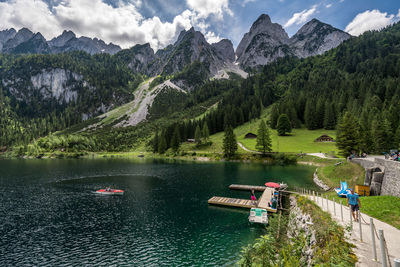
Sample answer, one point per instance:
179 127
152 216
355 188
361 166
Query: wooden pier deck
233 202
245 203
266 198
247 187
262 202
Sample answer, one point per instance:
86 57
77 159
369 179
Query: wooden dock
262 202
247 187
245 203
266 198
233 202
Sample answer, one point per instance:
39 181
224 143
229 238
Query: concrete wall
389 183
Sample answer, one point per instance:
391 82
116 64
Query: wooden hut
324 138
250 136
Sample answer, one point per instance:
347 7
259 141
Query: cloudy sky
129 22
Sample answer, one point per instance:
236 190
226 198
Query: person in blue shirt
354 201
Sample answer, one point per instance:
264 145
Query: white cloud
328 5
300 17
369 20
245 2
211 37
205 8
28 13
122 24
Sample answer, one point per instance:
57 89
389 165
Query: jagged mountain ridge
267 41
315 38
26 42
264 43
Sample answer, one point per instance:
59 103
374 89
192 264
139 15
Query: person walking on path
354 201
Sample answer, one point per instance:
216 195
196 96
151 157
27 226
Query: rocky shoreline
319 182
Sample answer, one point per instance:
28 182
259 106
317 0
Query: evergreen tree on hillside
176 139
329 116
155 142
397 139
348 135
283 126
274 116
320 113
310 115
205 132
197 135
382 135
162 144
229 143
264 143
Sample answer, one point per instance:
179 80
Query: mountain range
26 42
264 43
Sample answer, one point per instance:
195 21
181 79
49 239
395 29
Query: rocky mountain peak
264 36
6 35
21 36
38 36
138 57
315 38
62 39
225 49
262 20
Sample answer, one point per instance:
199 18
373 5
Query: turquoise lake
50 215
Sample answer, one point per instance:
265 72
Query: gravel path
246 149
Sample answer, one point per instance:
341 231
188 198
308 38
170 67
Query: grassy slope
346 171
300 140
384 208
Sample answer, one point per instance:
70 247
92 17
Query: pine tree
274 116
283 126
205 132
320 113
162 144
229 143
197 135
176 139
329 120
155 142
310 115
397 138
264 143
348 135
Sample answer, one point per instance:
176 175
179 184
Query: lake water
50 215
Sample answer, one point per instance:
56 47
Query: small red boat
109 191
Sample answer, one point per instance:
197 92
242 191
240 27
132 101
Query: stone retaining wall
382 175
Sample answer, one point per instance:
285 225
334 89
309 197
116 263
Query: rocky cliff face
267 41
263 44
139 58
315 38
225 50
58 84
